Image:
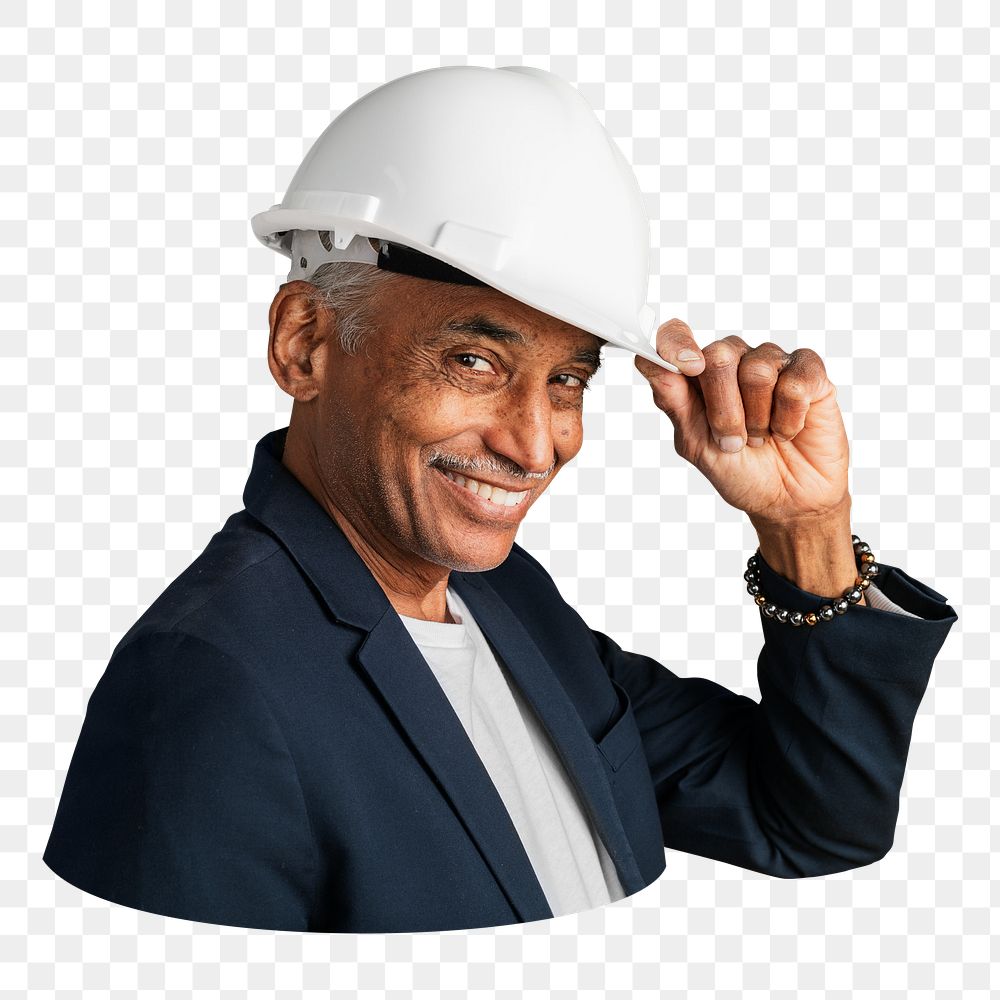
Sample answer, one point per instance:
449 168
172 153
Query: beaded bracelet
853 594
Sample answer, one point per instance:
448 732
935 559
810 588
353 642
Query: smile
493 494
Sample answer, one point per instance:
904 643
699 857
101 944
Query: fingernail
689 356
731 443
755 442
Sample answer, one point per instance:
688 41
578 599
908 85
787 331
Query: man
364 707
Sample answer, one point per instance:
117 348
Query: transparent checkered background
817 175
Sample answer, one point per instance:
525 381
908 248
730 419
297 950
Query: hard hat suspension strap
405 260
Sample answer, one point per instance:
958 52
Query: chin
472 557
475 565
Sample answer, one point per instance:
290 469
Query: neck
414 587
417 591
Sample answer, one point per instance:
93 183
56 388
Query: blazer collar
313 538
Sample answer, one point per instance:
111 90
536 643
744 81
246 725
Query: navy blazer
267 747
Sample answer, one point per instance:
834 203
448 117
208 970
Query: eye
461 358
575 381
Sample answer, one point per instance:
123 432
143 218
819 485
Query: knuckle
757 373
806 360
770 347
792 390
677 324
720 356
724 424
806 354
672 330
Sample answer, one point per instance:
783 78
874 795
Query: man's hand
764 427
761 424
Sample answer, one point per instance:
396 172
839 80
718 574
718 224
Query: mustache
460 465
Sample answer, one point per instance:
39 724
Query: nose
520 428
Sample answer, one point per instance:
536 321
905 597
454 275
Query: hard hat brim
269 227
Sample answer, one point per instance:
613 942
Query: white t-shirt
568 856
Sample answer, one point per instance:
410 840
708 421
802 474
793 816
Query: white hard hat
506 175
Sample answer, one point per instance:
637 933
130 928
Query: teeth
494 494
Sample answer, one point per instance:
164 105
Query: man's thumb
672 392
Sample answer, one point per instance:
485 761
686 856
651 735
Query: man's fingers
720 386
802 380
751 393
758 374
743 394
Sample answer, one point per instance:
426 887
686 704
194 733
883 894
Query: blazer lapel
540 685
421 707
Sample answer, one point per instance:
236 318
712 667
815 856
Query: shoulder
226 584
176 681
182 796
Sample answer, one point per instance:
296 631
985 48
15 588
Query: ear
301 332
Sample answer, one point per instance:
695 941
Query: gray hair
348 288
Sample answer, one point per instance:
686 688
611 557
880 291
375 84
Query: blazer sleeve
181 797
806 782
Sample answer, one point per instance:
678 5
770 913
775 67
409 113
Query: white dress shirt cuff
876 599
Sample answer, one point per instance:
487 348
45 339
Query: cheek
430 415
568 435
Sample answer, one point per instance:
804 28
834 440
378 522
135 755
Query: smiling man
364 707
429 446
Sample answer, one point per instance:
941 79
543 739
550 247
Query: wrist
817 554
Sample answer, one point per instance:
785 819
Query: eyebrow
483 326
